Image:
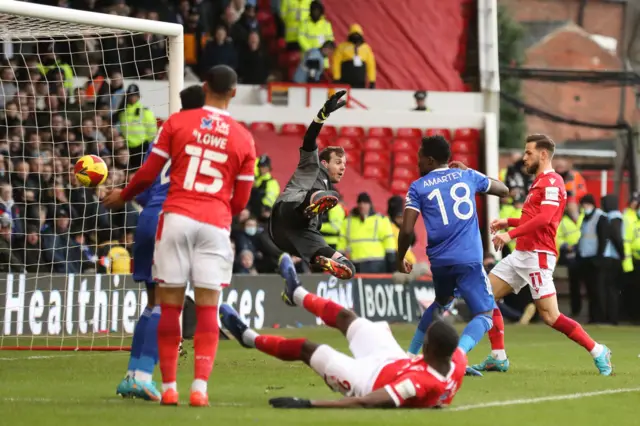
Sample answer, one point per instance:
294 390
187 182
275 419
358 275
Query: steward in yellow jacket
353 61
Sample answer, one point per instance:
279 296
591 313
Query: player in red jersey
212 160
380 374
534 259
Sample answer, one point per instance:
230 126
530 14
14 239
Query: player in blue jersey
445 197
144 347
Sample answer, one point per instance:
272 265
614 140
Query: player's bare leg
550 314
169 336
497 360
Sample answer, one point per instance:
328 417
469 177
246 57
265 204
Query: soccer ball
91 170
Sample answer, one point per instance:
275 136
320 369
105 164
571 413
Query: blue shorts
144 242
468 281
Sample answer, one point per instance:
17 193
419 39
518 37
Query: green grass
79 388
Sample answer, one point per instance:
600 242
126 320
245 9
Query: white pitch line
105 401
543 399
36 357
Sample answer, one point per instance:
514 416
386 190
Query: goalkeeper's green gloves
333 104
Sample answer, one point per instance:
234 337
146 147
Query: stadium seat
404 159
262 126
468 160
469 135
380 132
405 145
376 173
328 131
322 142
375 144
405 132
405 173
351 131
376 158
354 160
348 143
463 147
399 187
445 133
293 129
243 124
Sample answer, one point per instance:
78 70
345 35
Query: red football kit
212 166
542 212
414 384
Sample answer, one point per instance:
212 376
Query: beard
533 168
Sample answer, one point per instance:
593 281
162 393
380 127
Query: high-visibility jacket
293 13
312 35
409 257
354 65
117 259
630 218
137 125
67 73
265 191
191 47
366 240
635 244
568 232
333 225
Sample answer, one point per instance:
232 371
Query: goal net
74 83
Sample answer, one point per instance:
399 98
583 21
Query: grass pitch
552 381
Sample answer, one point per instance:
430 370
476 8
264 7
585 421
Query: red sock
574 331
326 309
205 341
496 333
169 341
280 347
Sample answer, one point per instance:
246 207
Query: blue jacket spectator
312 66
219 51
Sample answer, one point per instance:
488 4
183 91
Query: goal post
64 284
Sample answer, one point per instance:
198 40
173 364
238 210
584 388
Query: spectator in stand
219 51
244 26
30 250
138 125
10 260
353 61
254 62
332 222
245 266
574 183
8 86
293 13
246 238
315 30
151 53
312 67
265 190
52 68
421 101
517 179
116 90
195 38
610 271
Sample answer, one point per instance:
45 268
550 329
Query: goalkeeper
144 347
295 222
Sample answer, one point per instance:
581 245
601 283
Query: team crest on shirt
206 123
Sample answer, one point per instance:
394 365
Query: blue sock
474 331
149 353
138 340
423 325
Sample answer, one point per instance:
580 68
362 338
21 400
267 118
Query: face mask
588 210
250 231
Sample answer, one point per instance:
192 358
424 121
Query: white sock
499 354
597 350
199 385
299 294
249 337
130 373
167 386
142 376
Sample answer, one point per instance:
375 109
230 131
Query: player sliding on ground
212 165
445 197
532 263
295 222
380 374
144 346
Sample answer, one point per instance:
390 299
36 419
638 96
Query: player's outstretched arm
332 104
377 399
497 188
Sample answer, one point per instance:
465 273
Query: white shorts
372 345
528 268
188 250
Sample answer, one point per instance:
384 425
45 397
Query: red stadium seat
322 142
405 173
354 160
445 133
399 187
404 132
376 158
404 159
468 160
293 129
328 131
469 135
262 126
377 173
375 144
352 131
406 145
380 132
463 147
347 143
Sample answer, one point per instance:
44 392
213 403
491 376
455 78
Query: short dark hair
325 154
192 97
442 339
221 79
542 142
436 147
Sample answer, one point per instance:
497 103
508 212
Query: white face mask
250 231
588 210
